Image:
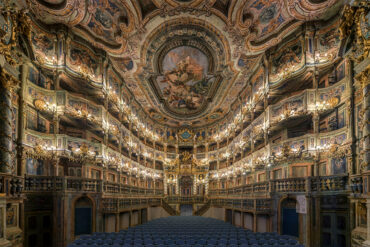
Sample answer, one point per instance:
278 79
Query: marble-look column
7 82
367 242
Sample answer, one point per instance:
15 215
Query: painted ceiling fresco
184 62
185 83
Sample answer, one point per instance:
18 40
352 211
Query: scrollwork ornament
8 37
345 26
361 49
8 81
364 77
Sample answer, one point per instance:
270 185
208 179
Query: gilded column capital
364 77
8 81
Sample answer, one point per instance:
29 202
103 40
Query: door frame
93 207
279 225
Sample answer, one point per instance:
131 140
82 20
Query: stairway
203 209
170 210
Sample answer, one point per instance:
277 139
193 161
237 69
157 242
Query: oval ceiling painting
184 82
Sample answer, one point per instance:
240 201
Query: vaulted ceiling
185 61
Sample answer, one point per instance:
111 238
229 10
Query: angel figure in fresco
186 84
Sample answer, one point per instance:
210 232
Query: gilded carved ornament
39 152
364 77
16 21
345 26
7 80
362 43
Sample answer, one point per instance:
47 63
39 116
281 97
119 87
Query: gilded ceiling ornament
186 135
203 9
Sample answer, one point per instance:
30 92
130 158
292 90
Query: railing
170 210
333 183
289 185
113 205
357 184
185 199
73 184
11 186
203 209
329 183
251 205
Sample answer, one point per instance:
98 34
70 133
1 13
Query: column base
366 243
5 243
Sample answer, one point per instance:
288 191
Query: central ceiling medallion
184 81
186 72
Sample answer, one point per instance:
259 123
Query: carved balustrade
185 199
357 184
292 185
85 185
329 183
249 205
11 186
115 205
289 185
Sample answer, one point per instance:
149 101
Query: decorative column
364 79
367 242
21 153
206 184
7 83
195 184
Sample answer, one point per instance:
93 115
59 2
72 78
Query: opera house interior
184 123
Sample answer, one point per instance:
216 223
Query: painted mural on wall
82 60
338 139
34 166
333 94
340 71
257 84
81 109
43 46
287 60
339 165
11 216
39 79
328 43
36 94
288 109
185 83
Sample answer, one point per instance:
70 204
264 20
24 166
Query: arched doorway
83 216
186 185
289 217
